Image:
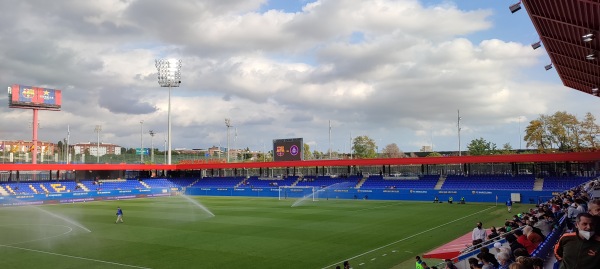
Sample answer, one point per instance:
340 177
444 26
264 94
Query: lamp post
330 139
152 133
520 133
141 141
228 124
169 75
67 142
458 125
97 130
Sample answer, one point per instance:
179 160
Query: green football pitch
234 232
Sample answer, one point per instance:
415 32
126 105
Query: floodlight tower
169 75
142 151
152 133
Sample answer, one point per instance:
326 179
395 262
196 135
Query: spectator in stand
581 204
450 264
579 249
544 225
486 263
594 207
573 211
531 221
534 238
527 262
507 226
479 234
503 260
485 253
514 245
419 263
474 263
537 263
522 239
516 265
424 264
520 252
493 233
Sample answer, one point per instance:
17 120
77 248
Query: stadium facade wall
75 197
488 196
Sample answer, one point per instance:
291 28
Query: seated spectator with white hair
594 207
503 259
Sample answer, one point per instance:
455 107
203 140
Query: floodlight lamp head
169 72
536 45
588 37
595 91
591 56
515 7
548 67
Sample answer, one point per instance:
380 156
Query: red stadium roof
517 158
562 25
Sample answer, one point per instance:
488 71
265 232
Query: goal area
299 192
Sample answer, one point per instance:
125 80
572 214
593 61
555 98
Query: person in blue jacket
509 205
119 215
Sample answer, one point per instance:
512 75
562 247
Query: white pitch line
74 257
408 237
44 238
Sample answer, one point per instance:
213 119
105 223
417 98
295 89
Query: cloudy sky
396 71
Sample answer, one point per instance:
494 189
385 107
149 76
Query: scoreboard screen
290 149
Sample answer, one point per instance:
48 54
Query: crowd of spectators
578 247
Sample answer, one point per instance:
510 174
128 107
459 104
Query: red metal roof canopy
516 158
561 25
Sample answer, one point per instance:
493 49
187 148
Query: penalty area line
74 257
408 237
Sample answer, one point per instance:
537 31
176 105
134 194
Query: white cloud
394 70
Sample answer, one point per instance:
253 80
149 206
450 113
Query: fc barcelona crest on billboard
34 97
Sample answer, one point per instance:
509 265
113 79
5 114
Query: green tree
307 154
507 149
481 147
364 147
317 155
247 154
434 154
392 151
564 131
536 135
589 131
59 147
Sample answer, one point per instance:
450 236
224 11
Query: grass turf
172 232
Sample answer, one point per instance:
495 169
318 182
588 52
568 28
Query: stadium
295 213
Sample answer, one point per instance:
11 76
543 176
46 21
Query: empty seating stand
563 183
379 182
327 181
219 182
489 182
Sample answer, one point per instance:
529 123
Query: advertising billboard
20 96
290 149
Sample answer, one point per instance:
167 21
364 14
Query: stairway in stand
440 183
538 185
